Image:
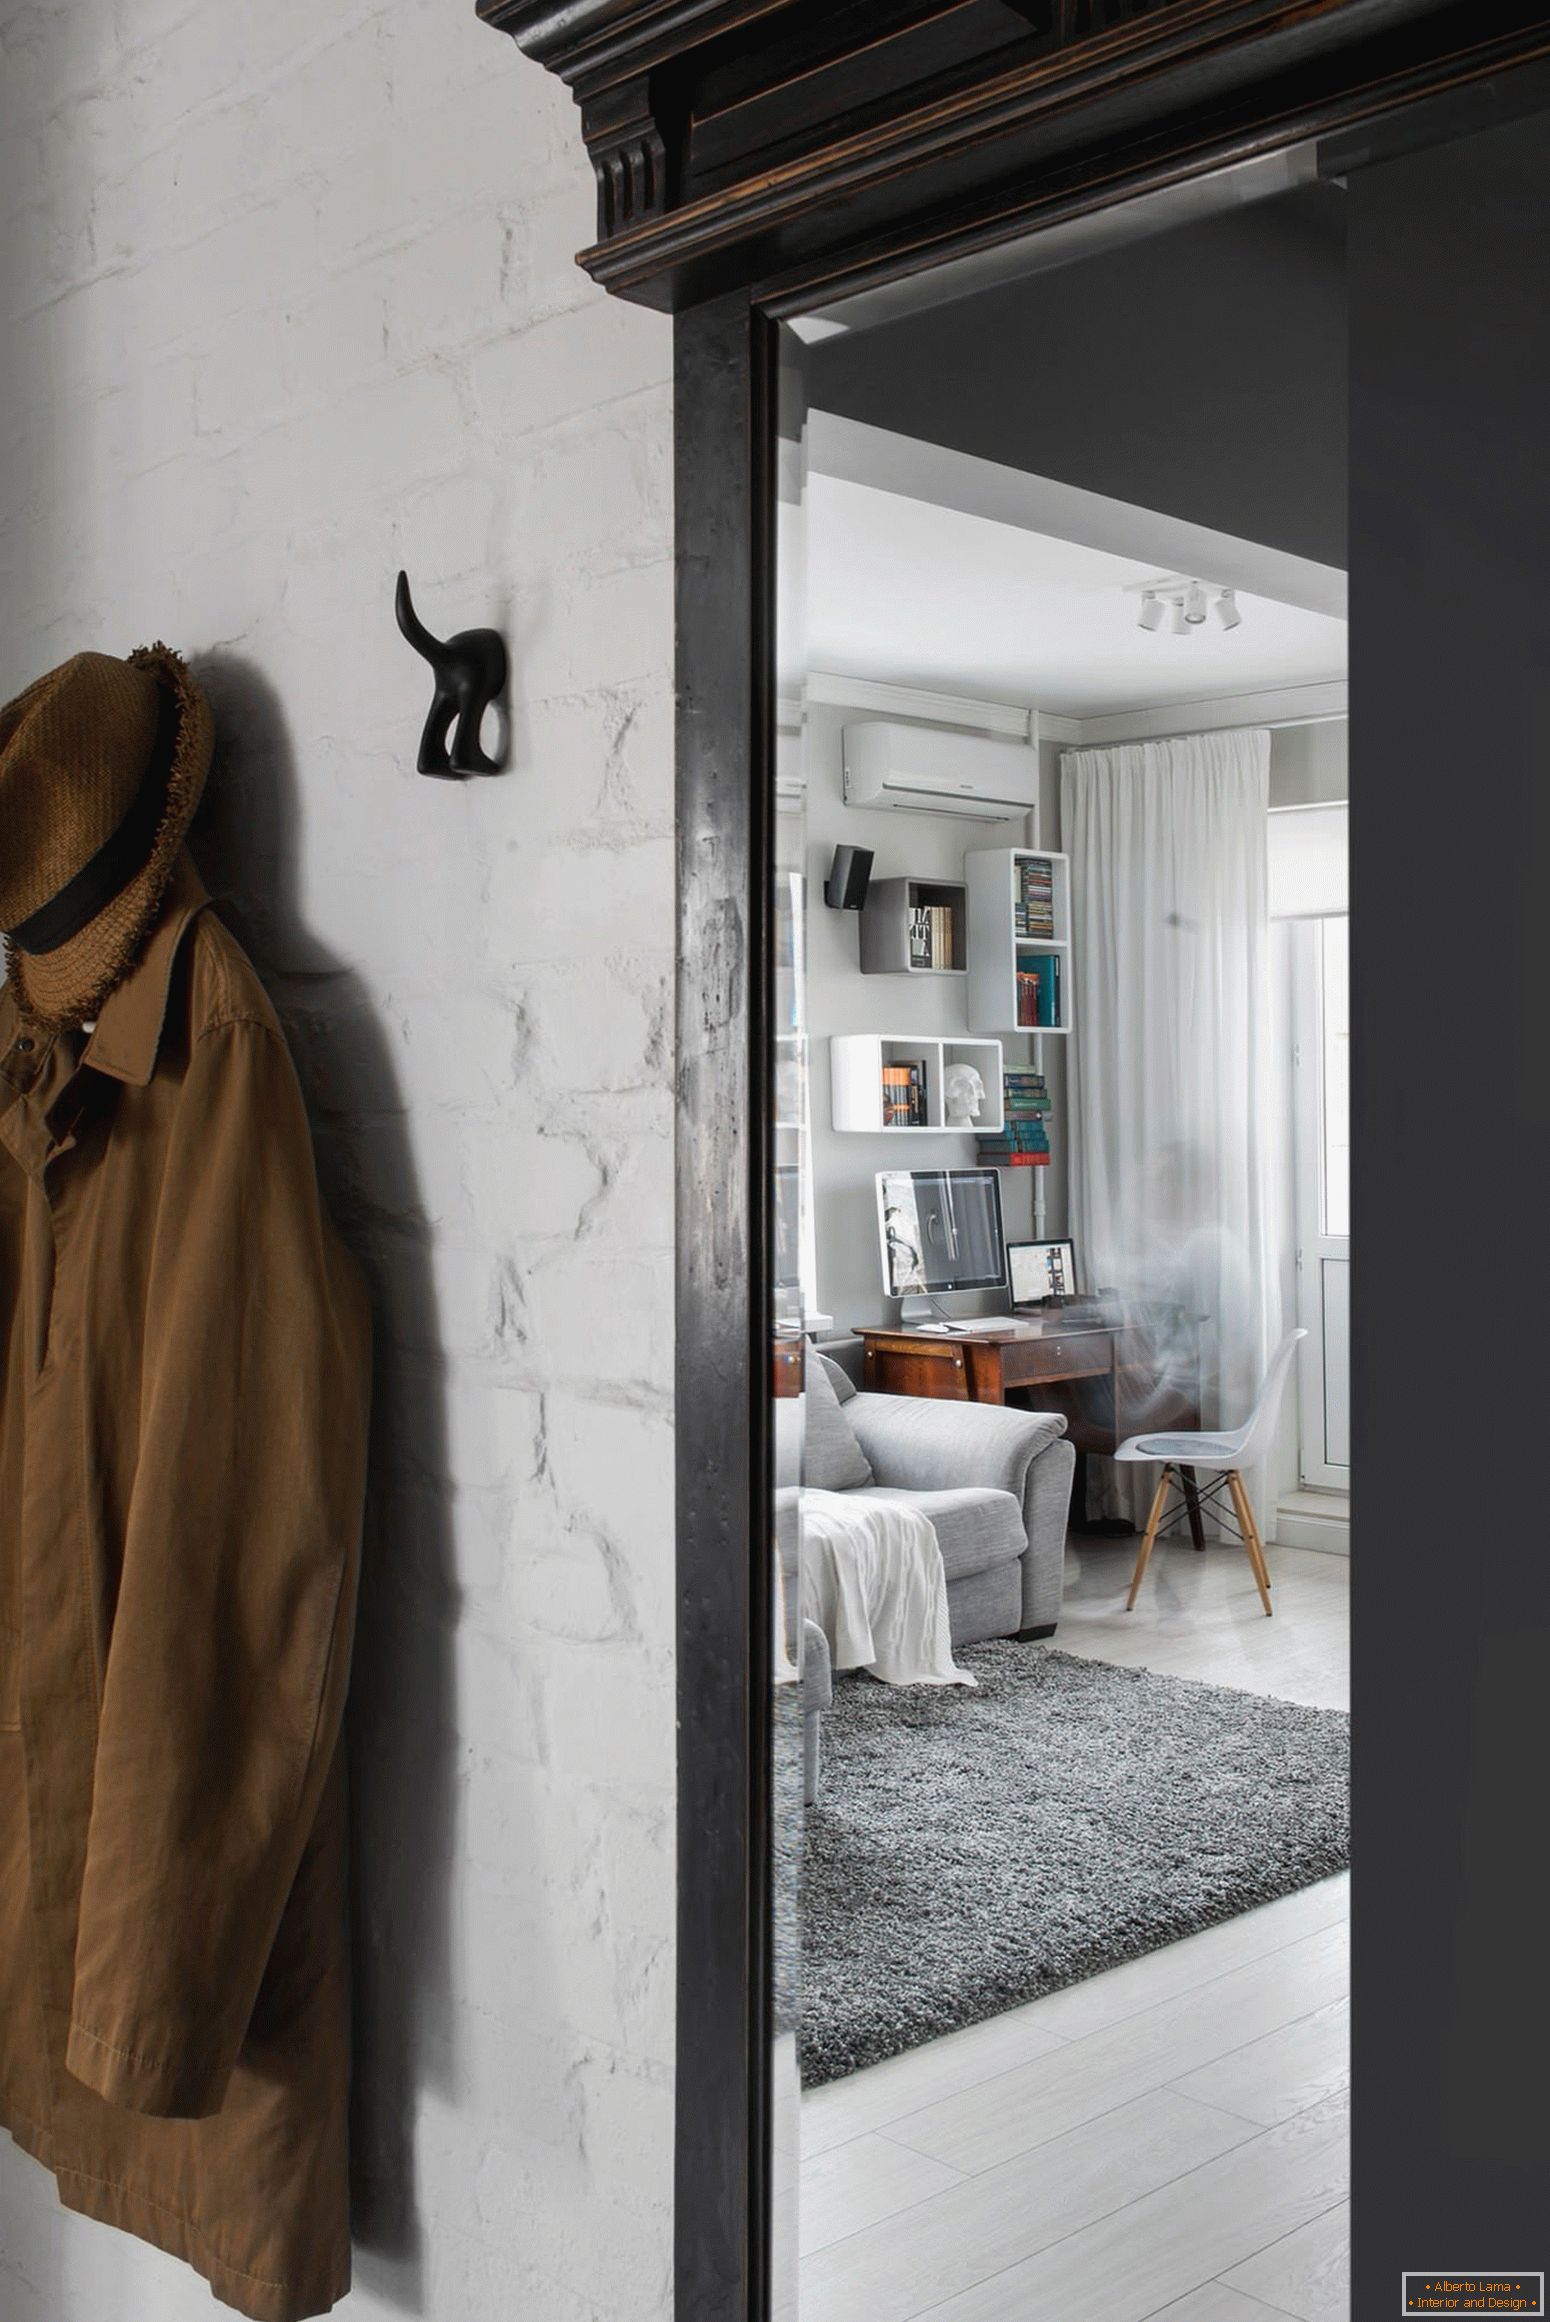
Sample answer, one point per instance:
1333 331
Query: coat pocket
10 1679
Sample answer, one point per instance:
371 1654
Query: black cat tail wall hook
470 671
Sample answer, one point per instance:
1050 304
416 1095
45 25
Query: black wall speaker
850 874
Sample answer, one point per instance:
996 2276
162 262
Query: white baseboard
1320 1520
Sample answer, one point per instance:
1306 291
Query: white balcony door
1322 1128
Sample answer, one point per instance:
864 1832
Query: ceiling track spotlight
1188 601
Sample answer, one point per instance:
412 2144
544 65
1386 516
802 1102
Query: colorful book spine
1038 992
1023 1141
904 1095
1034 900
1023 1137
1024 1092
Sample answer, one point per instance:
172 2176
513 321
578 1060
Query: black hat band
126 851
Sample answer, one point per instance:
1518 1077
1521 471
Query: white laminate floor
1167 2139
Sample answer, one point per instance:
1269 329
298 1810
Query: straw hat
102 764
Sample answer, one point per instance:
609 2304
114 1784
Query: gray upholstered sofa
995 1482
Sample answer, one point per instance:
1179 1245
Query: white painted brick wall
287 301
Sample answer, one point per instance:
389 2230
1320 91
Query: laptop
1038 1271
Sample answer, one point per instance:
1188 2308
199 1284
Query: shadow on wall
402 1720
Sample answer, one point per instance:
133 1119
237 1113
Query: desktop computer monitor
940 1230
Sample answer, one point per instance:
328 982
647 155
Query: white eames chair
1226 1457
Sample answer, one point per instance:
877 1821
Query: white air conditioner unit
930 772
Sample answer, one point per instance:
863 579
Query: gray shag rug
970 1851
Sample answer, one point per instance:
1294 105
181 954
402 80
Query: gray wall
1201 373
1307 763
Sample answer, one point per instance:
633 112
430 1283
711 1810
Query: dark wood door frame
724 386
756 157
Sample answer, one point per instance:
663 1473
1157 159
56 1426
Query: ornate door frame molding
804 143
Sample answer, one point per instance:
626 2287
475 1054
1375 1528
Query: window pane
1308 848
1335 1072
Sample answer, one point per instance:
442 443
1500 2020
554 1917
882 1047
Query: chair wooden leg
1149 1539
1197 1530
1255 1535
1251 1539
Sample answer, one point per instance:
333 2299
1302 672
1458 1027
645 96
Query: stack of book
933 936
1035 898
904 1095
1024 1142
1038 990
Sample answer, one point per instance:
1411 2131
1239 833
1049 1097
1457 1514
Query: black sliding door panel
1450 805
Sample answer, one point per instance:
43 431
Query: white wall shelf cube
857 1061
997 948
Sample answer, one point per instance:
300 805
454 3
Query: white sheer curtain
1174 1163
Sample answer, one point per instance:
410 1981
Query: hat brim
68 986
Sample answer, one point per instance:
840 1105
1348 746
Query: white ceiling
909 592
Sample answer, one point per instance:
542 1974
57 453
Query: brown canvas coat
182 1453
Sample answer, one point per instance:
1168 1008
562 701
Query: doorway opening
1063 1655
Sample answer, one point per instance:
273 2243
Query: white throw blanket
873 1580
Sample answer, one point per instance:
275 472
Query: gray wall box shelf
888 946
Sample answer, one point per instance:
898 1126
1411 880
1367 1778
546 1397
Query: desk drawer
936 1370
1079 1355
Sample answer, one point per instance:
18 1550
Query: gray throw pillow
832 1459
839 1378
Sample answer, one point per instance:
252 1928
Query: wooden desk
1131 1375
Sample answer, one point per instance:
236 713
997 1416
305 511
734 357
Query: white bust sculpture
963 1092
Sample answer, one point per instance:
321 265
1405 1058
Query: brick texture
287 301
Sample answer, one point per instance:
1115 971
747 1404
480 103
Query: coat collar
127 1038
